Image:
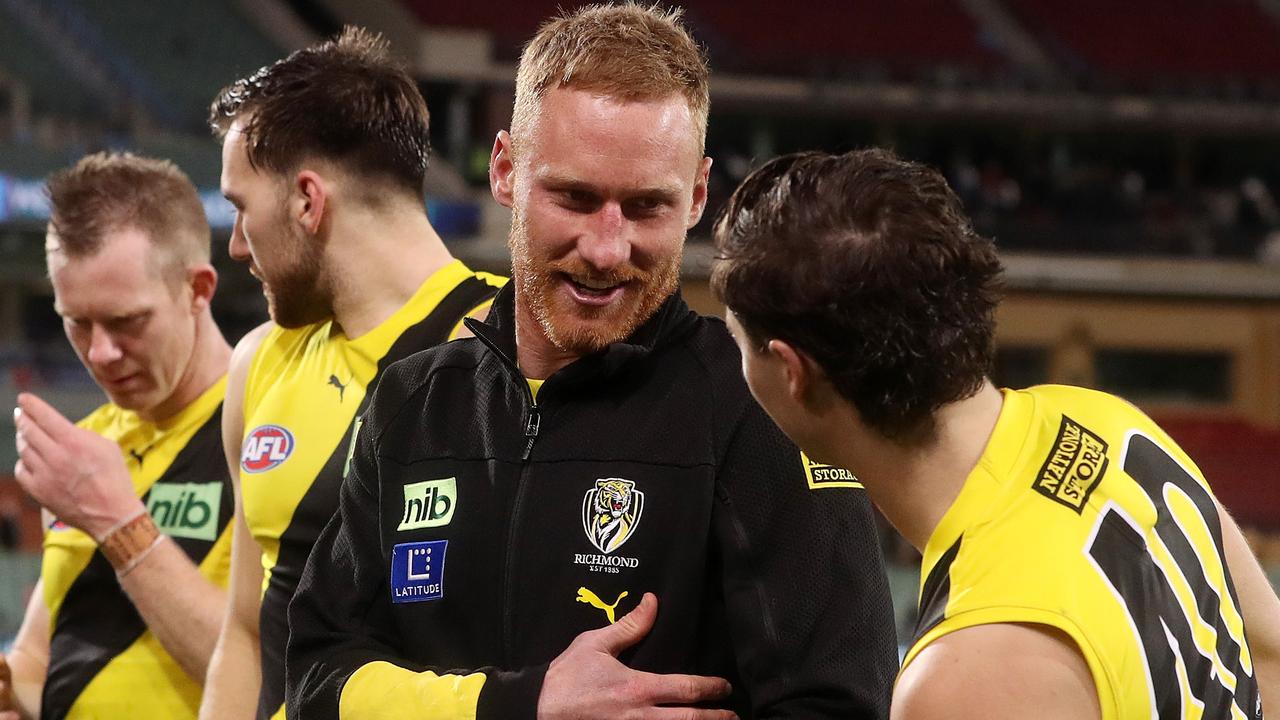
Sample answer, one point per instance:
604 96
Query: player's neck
210 358
536 355
378 261
914 486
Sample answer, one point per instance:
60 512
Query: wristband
137 559
127 543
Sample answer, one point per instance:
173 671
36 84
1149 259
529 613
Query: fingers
43 415
32 438
685 689
680 714
629 630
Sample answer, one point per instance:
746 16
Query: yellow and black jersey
103 662
304 388
1084 516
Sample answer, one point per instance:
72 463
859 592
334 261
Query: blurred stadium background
1123 154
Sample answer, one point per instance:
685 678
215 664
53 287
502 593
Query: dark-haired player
1076 564
323 157
137 501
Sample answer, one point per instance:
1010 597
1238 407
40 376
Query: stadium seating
1161 42
53 89
763 36
187 51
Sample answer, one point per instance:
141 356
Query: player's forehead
632 143
237 171
117 279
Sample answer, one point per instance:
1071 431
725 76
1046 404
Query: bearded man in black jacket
519 505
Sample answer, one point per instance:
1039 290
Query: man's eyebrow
558 182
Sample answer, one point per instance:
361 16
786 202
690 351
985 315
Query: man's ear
309 200
700 192
502 167
797 366
203 280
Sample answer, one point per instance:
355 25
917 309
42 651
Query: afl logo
265 447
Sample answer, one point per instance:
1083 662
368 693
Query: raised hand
76 474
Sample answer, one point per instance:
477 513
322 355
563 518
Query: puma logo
590 598
342 387
138 455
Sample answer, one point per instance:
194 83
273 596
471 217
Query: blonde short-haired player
137 504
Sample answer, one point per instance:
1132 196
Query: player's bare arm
22 671
1260 607
234 676
997 672
80 477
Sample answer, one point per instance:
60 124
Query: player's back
1083 515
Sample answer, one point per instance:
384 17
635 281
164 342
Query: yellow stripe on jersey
382 691
1084 516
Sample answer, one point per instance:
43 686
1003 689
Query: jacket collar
672 320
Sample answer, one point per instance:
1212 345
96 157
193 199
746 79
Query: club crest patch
417 571
611 512
265 447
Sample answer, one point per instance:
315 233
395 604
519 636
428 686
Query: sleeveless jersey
103 662
1083 515
304 388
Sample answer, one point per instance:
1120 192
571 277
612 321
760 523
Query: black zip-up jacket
479 532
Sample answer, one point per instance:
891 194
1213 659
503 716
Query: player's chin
137 400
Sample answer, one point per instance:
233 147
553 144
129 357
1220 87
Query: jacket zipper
531 426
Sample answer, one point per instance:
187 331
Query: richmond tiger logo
610 513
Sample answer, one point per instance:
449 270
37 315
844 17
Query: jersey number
1176 589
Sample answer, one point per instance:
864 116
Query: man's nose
238 248
608 243
103 350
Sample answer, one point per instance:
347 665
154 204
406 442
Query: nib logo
188 510
429 504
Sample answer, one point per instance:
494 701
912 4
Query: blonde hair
627 51
107 191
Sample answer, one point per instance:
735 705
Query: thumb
631 629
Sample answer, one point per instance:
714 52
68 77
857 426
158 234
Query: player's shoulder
716 354
1085 405
412 375
998 670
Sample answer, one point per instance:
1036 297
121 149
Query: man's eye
643 207
579 199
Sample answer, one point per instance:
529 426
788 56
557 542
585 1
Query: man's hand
8 706
587 681
76 474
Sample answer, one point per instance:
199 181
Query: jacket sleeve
808 603
342 659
